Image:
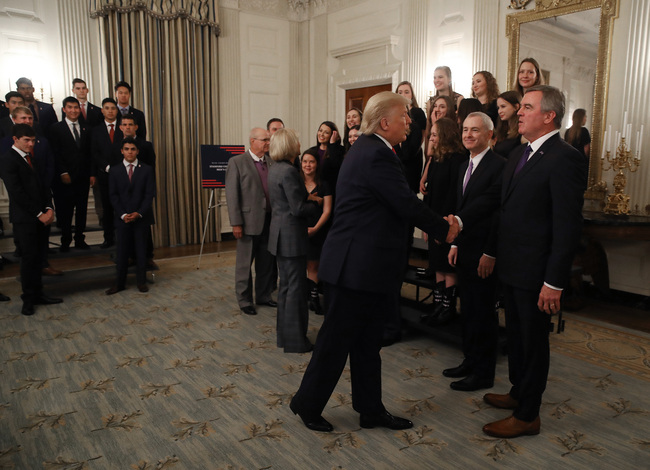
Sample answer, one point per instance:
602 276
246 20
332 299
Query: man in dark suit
474 252
249 210
30 211
123 98
539 230
14 99
361 267
44 113
105 150
131 191
71 145
91 115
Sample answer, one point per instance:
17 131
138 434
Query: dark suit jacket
541 215
289 211
42 154
7 127
93 117
366 246
410 154
146 152
103 152
132 196
68 157
478 209
4 111
139 120
46 116
28 194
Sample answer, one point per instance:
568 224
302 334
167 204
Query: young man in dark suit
71 145
362 266
123 97
30 211
14 99
474 255
91 115
105 145
131 191
539 230
44 113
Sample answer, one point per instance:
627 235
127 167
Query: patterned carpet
178 378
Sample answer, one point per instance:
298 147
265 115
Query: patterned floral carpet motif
178 378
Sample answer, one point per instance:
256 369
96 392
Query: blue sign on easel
214 161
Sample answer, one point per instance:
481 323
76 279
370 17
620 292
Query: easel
207 219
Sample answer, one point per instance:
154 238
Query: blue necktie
523 160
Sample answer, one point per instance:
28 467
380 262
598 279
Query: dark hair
508 129
124 84
451 114
449 140
23 130
13 94
314 153
414 101
70 99
492 86
538 81
24 80
465 108
129 117
77 80
573 134
346 133
333 128
129 140
108 100
271 121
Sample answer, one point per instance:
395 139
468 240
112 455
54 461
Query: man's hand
454 228
237 231
549 300
47 217
93 180
65 178
132 217
485 266
452 256
423 185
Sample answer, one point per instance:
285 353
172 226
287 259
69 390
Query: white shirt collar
385 141
114 124
22 154
477 159
70 123
255 157
535 145
126 164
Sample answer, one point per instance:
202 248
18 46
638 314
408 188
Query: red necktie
130 171
83 110
111 133
28 157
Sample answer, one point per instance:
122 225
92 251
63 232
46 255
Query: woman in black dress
507 135
577 135
486 90
410 151
330 153
318 222
446 155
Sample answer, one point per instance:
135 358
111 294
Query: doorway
358 97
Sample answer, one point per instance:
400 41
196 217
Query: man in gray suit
249 210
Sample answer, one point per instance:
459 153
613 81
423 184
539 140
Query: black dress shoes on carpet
106 244
143 288
114 290
384 420
317 423
270 303
249 310
28 308
462 370
45 300
4 298
471 383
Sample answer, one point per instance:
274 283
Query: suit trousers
528 350
353 326
132 237
293 315
108 214
72 199
480 322
254 248
31 237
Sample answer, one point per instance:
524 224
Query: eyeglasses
262 140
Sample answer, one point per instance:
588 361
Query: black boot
448 311
436 307
314 300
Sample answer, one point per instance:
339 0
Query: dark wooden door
358 97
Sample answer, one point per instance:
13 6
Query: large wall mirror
571 40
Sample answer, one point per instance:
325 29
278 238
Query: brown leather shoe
512 427
114 290
50 271
143 288
504 401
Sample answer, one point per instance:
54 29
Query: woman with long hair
353 134
443 106
506 135
410 151
577 135
446 154
486 90
442 83
317 223
352 118
528 74
330 152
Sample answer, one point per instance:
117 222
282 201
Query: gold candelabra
619 202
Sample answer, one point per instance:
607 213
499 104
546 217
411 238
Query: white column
486 33
230 112
415 59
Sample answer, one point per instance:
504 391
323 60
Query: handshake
454 228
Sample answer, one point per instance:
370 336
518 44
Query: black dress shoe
315 424
249 310
471 383
28 309
45 300
270 303
81 245
384 420
143 288
106 244
462 370
114 290
4 298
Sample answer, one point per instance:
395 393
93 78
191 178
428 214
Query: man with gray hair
361 267
249 210
539 231
473 254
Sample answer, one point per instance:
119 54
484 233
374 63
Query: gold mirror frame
548 9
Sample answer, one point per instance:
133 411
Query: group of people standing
495 161
49 166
